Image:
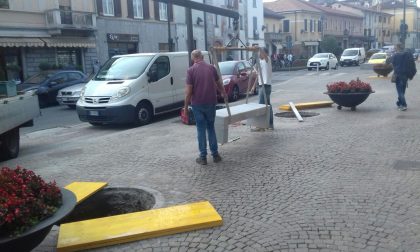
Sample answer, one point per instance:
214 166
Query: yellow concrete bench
123 228
83 190
307 105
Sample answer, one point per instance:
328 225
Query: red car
235 76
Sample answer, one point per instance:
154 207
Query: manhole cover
112 201
292 115
407 165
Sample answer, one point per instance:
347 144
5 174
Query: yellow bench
123 228
307 105
83 190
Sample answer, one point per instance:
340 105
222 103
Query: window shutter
130 8
146 14
100 8
156 4
170 12
117 8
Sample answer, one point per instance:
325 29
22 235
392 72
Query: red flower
352 86
25 199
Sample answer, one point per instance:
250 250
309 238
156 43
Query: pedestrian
96 66
266 72
404 69
201 91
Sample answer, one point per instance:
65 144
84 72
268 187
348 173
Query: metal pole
169 27
404 32
190 38
205 28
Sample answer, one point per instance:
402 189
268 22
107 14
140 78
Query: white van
352 56
133 88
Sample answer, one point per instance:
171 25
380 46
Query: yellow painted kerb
307 105
83 190
123 228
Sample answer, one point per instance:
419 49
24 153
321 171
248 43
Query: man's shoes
258 129
202 161
217 158
403 108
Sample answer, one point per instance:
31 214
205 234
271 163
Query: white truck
15 112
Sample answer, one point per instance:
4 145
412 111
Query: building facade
377 26
56 33
273 37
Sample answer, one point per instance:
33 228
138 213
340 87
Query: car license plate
93 113
65 99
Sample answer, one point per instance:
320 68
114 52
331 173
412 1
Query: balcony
72 20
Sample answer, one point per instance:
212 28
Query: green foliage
330 44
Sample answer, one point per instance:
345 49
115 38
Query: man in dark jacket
404 69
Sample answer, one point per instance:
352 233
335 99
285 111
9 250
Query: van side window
162 66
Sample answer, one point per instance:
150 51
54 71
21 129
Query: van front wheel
144 113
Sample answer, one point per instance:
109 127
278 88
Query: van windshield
350 52
123 68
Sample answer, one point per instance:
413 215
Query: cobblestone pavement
341 181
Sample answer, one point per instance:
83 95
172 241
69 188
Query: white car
70 95
322 61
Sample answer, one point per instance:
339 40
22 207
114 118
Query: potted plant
29 207
382 69
349 94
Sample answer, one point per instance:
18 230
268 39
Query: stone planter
382 69
35 235
350 99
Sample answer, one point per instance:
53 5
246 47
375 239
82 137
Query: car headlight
76 93
226 81
82 94
121 93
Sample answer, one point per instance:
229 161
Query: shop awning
21 42
69 42
311 43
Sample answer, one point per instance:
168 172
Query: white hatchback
322 61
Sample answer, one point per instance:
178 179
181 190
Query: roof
272 14
333 11
362 8
280 6
394 5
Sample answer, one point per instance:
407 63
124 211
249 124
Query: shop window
138 8
69 58
4 4
121 48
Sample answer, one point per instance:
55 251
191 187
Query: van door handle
172 80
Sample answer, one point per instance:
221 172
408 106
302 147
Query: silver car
69 95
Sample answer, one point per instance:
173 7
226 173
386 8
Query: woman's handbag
393 78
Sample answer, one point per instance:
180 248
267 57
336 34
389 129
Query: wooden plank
124 228
298 116
83 190
307 105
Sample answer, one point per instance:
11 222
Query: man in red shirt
201 91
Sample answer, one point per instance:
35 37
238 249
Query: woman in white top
266 73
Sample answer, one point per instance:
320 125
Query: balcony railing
63 19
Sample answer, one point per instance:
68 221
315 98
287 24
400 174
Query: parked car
353 56
322 60
235 76
378 58
47 83
70 95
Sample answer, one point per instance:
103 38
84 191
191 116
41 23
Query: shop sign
117 37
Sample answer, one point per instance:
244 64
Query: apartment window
138 8
163 11
4 4
274 27
241 22
255 26
286 25
108 7
306 25
319 26
254 3
311 25
216 23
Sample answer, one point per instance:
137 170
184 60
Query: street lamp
403 27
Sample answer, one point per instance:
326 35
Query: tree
330 44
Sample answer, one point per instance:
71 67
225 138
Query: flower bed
25 200
354 86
